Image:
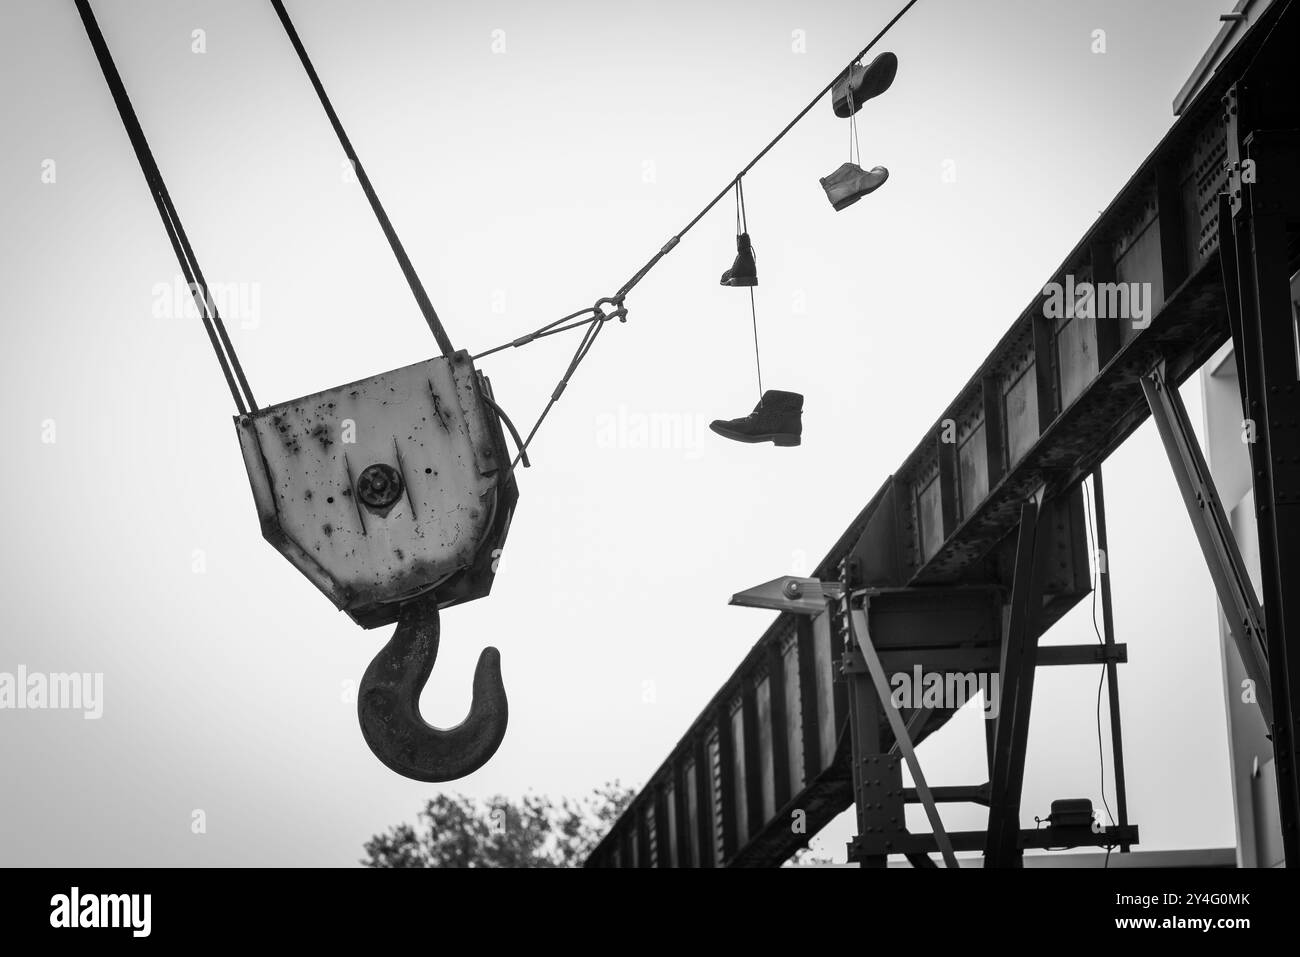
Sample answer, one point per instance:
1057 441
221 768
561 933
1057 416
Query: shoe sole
783 439
881 82
882 70
850 200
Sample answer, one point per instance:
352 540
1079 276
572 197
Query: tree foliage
454 830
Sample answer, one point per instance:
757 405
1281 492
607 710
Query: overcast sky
527 181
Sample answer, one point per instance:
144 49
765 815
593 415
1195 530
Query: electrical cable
1101 756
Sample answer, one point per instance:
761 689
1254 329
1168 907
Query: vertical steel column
1266 335
867 746
1112 670
1019 662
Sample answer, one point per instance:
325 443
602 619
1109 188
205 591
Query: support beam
880 810
1019 662
1109 653
953 794
1027 839
1218 545
1264 333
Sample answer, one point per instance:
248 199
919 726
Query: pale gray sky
525 184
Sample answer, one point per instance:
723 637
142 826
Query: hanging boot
851 182
860 83
778 418
744 271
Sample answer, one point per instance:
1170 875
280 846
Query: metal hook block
385 488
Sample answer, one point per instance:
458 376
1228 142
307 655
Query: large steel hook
388 704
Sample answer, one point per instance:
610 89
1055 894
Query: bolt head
379 486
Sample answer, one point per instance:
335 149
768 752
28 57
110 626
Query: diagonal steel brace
861 637
1218 545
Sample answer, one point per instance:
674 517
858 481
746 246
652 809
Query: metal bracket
799 596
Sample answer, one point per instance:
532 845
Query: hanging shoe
744 271
778 418
864 82
851 182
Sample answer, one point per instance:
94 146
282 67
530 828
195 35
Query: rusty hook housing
388 704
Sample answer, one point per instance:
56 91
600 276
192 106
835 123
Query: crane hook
388 704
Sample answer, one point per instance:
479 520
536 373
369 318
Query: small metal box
387 487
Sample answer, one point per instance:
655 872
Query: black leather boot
851 182
744 271
778 418
863 82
